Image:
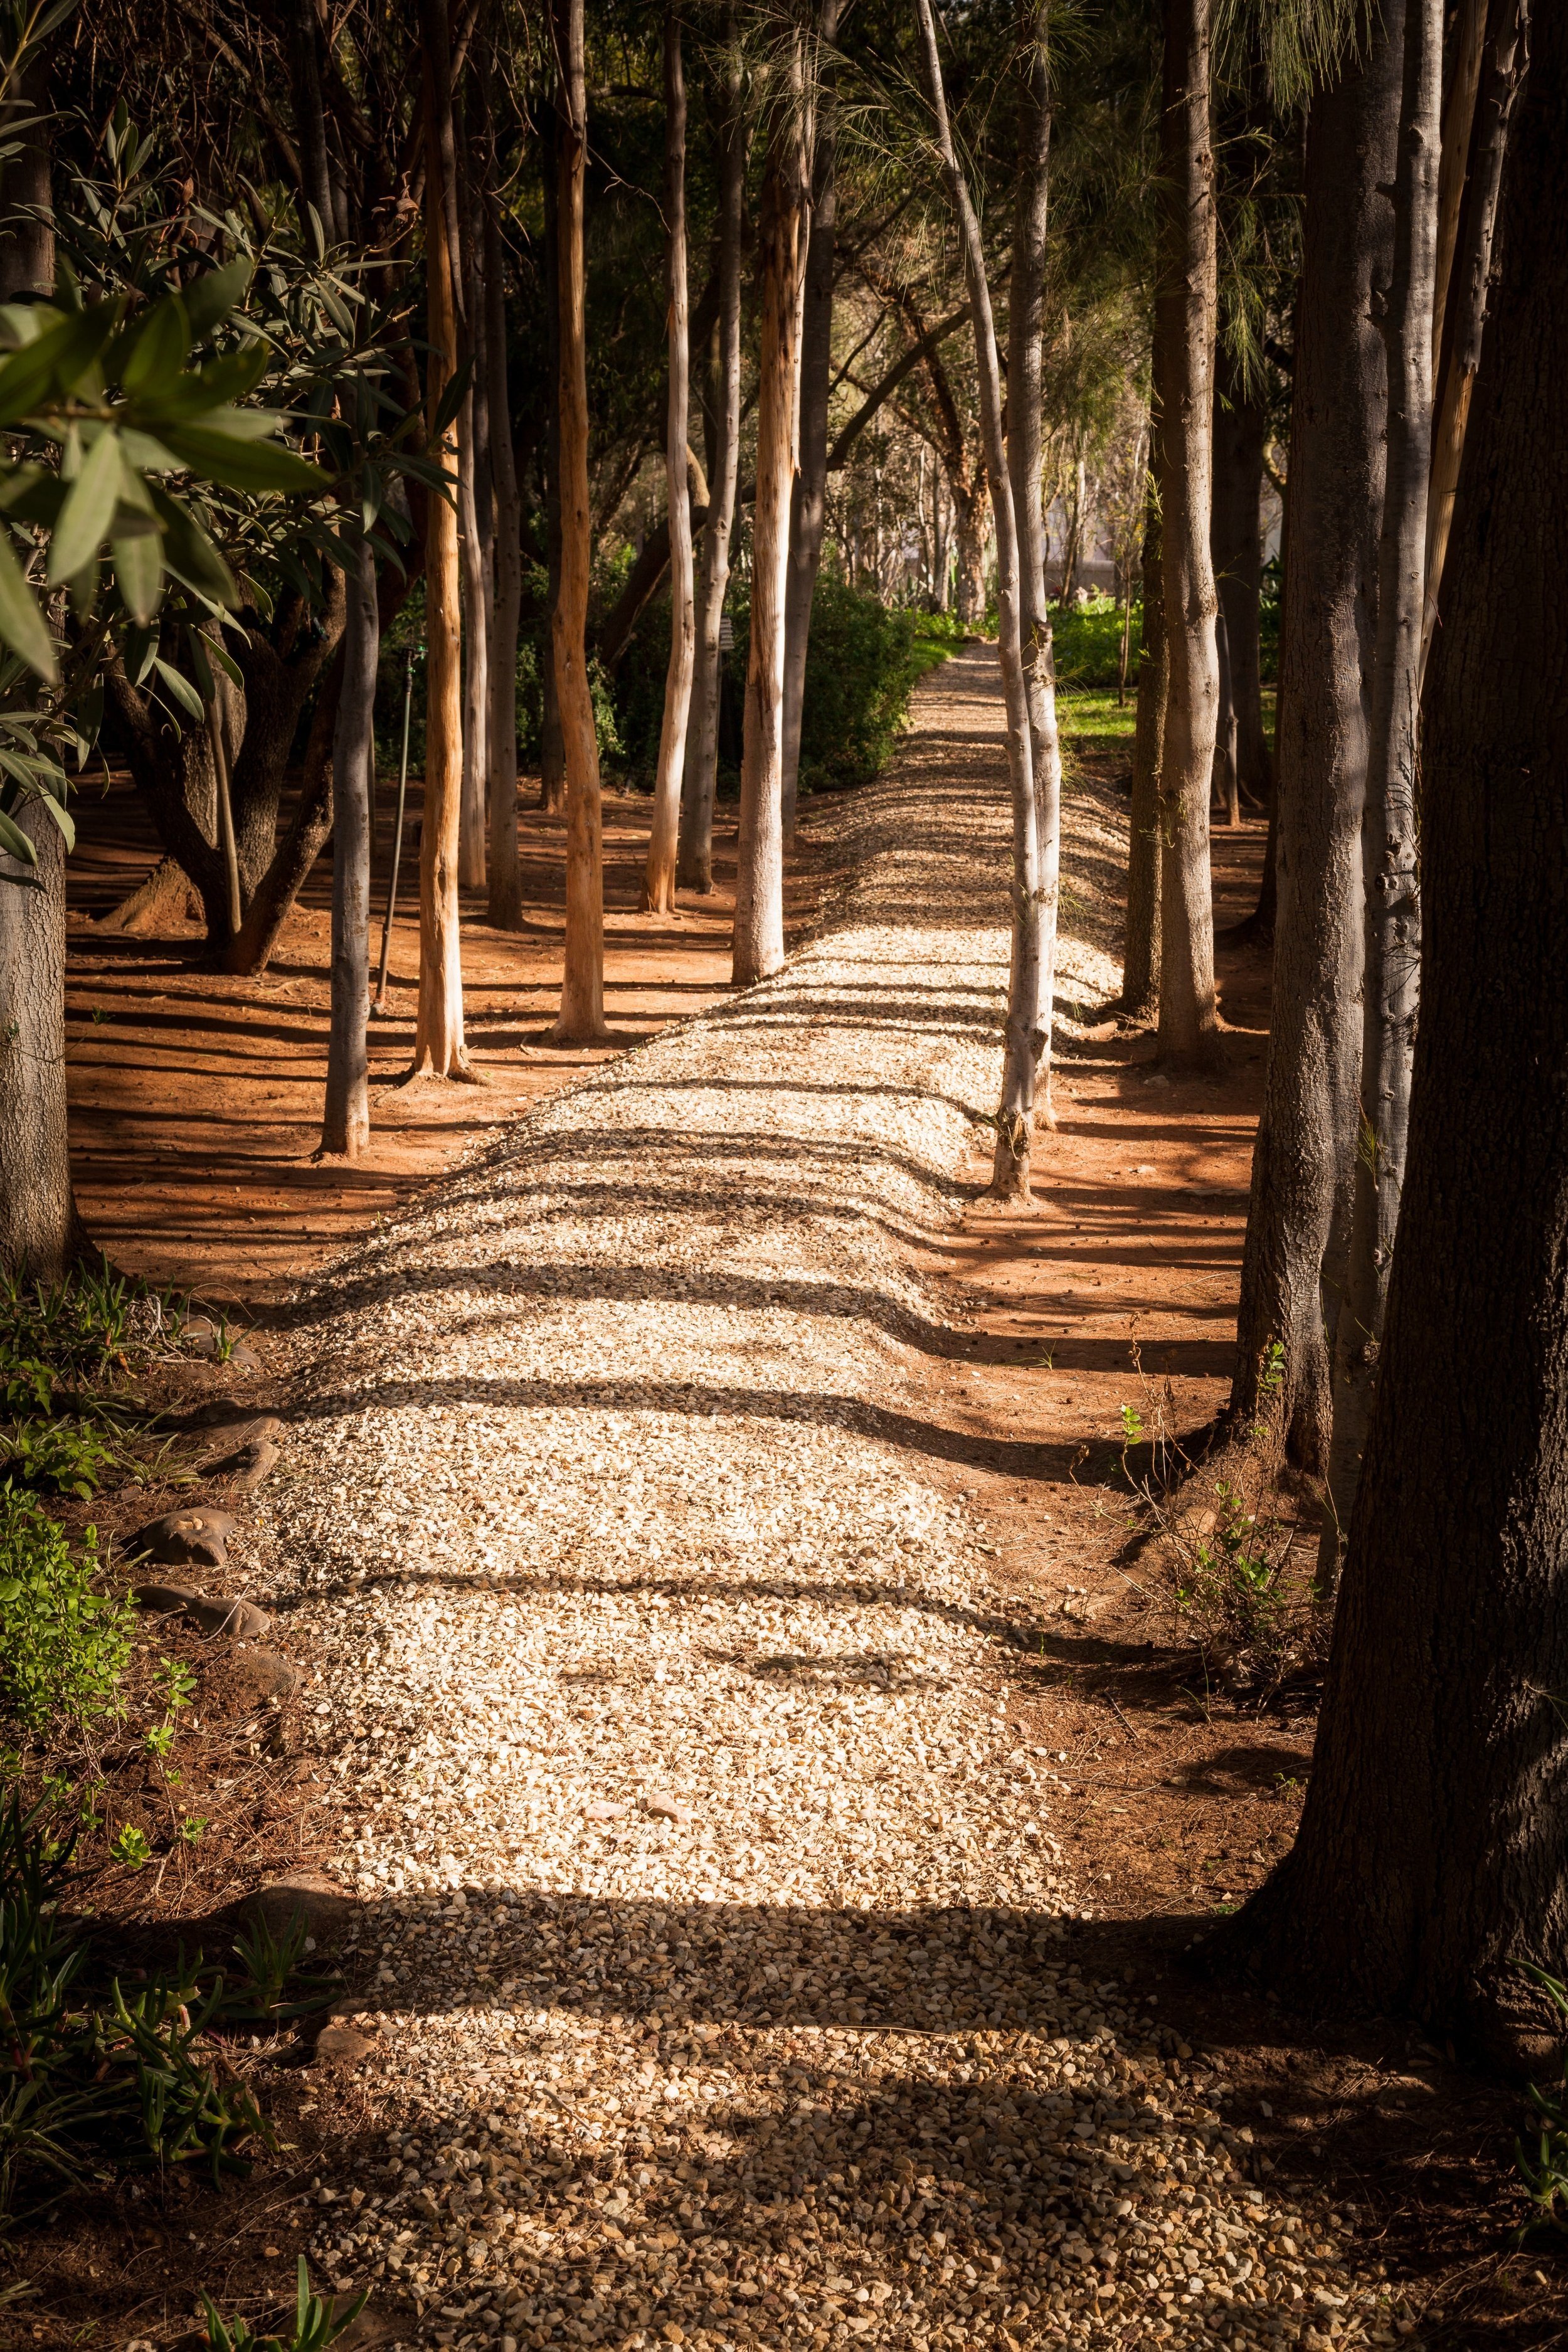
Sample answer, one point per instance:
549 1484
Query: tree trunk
505 908
1240 428
552 738
1390 831
808 505
1184 325
1027 1089
476 540
167 895
969 509
759 881
310 122
27 247
345 1124
1225 792
582 1016
40 1233
1429 1864
438 1048
1460 330
1298 1228
658 880
1140 936
695 862
1023 1043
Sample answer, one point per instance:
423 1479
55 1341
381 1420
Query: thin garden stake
378 1001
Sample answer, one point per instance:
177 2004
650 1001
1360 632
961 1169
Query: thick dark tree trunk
1184 312
1140 936
1430 1863
694 866
345 1125
40 1234
808 505
27 247
1298 1232
1235 536
1390 828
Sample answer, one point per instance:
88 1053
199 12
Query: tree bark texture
475 530
1236 538
582 1016
40 1233
1459 325
310 120
694 865
1023 1043
1140 936
438 1047
759 881
658 878
1184 314
552 740
345 1123
1298 1229
808 505
1034 947
505 869
27 247
970 518
1389 829
1429 1861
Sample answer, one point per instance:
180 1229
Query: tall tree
1389 831
552 736
345 1126
40 1233
658 881
808 504
1184 314
1236 538
1429 1864
1026 1012
476 521
505 871
1298 1227
582 1016
1031 995
438 1047
695 863
1140 931
759 881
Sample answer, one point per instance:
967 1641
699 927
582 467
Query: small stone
666 1808
232 1621
343 2045
265 1673
185 1539
247 1466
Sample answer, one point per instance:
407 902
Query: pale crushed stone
605 1486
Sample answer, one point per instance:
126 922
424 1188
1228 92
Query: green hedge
1088 637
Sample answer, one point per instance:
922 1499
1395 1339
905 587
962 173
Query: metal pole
378 1001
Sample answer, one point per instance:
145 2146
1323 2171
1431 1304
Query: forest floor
783 1808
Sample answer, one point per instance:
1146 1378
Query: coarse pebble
723 1980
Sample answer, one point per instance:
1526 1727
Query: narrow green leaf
227 663
139 573
245 466
60 357
14 841
210 299
88 512
183 692
60 813
153 351
188 553
22 625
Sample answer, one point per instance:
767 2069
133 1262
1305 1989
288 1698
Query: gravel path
725 1989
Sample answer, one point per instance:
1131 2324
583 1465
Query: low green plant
316 2323
1543 2163
63 1645
56 1457
129 1845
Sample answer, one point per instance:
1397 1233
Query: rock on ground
723 1989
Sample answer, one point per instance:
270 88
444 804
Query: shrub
1087 642
63 1647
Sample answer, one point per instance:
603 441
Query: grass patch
1092 716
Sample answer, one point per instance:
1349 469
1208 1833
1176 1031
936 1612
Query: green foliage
53 1457
88 2088
63 1647
1087 640
87 1327
1543 2166
316 2324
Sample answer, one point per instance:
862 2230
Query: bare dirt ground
195 1104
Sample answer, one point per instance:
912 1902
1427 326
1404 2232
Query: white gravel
722 1979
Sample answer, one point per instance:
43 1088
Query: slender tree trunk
345 1124
505 876
658 881
40 1233
438 1048
1226 793
695 864
27 247
1460 331
1184 324
1389 834
1298 1228
475 538
582 1017
1034 947
310 122
969 508
1140 936
1025 993
552 738
808 506
759 883
1240 427
1428 1870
